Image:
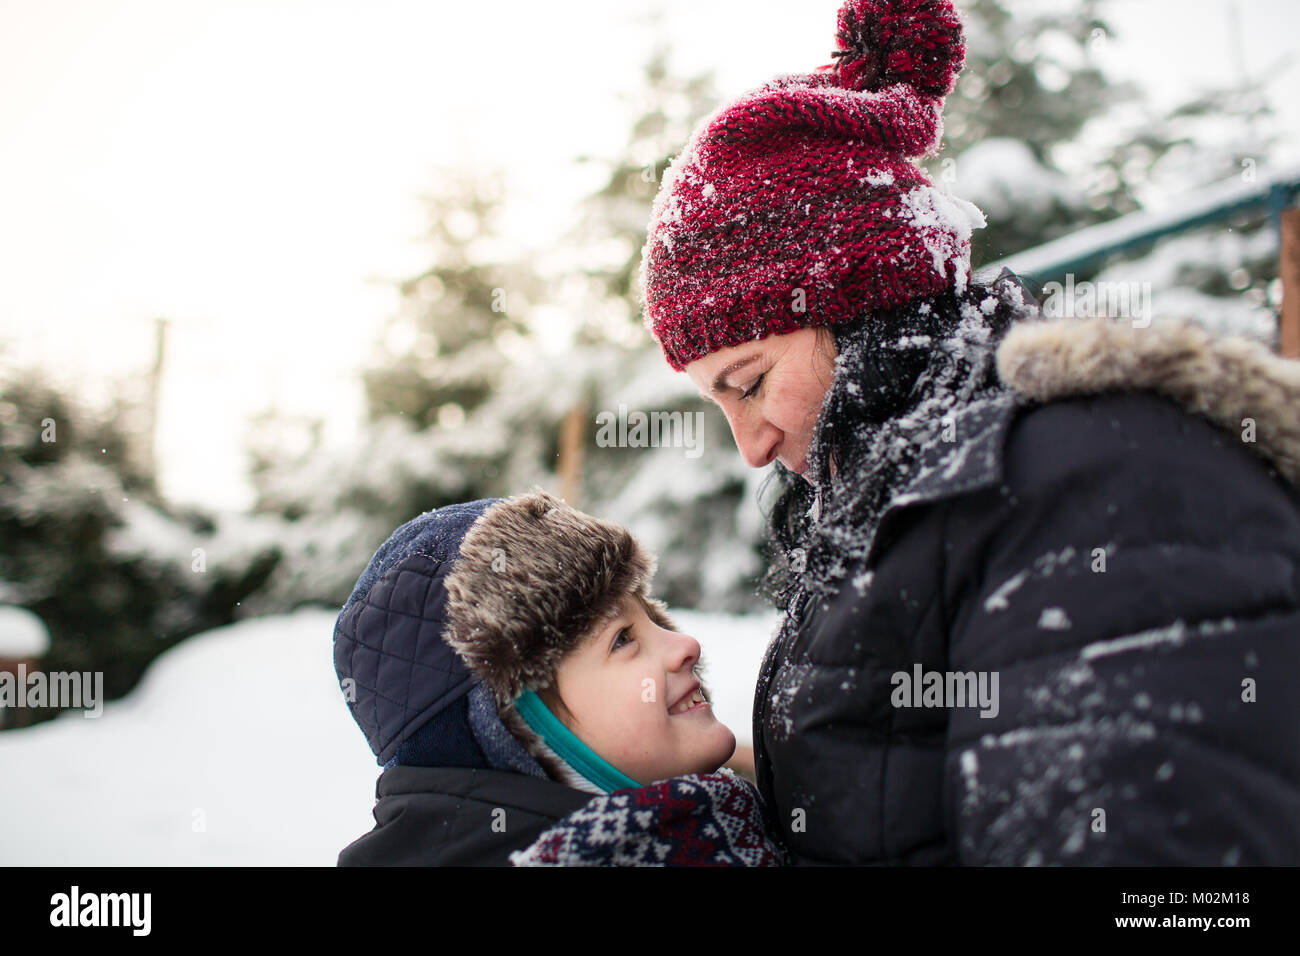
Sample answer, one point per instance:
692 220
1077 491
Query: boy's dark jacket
1117 538
452 816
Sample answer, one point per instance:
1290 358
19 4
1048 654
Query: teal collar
568 747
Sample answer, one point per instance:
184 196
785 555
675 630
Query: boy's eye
753 388
622 639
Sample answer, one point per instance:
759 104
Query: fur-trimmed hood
1232 381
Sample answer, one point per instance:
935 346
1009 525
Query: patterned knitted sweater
711 819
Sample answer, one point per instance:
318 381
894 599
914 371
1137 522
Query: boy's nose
685 651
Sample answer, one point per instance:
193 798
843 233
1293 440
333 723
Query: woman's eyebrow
720 381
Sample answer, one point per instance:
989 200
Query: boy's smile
691 701
631 694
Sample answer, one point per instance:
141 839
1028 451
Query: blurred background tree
464 400
1028 89
608 239
440 423
1224 274
88 545
440 357
1045 144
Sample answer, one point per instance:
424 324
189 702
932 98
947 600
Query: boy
527 696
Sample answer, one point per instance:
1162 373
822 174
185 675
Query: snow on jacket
1114 538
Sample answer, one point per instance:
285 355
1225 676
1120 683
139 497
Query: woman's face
771 391
631 694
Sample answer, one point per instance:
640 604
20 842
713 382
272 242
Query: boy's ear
555 704
516 725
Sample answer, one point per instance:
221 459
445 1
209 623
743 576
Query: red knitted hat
797 205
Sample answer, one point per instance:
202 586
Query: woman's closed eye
754 387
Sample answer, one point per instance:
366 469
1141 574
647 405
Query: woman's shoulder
1236 384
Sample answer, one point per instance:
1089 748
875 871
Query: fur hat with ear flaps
534 578
465 607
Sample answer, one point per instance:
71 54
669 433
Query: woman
1041 579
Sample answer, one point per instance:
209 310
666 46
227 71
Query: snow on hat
798 204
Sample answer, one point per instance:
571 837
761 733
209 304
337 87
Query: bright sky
251 168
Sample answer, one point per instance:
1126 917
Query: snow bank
236 749
23 635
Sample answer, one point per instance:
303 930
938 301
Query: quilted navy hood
408 690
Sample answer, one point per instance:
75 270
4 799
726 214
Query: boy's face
630 694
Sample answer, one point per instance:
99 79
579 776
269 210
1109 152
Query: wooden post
1288 269
154 380
572 448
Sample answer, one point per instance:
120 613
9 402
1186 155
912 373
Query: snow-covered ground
237 749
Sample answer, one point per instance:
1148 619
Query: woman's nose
757 441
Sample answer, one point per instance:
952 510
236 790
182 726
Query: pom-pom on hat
799 204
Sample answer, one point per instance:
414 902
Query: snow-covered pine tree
440 355
1029 88
1224 274
435 431
90 547
463 401
1046 143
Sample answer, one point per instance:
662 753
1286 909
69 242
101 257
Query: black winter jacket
447 816
1130 572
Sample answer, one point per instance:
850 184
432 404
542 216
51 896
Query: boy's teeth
696 698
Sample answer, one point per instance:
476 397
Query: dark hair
880 371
